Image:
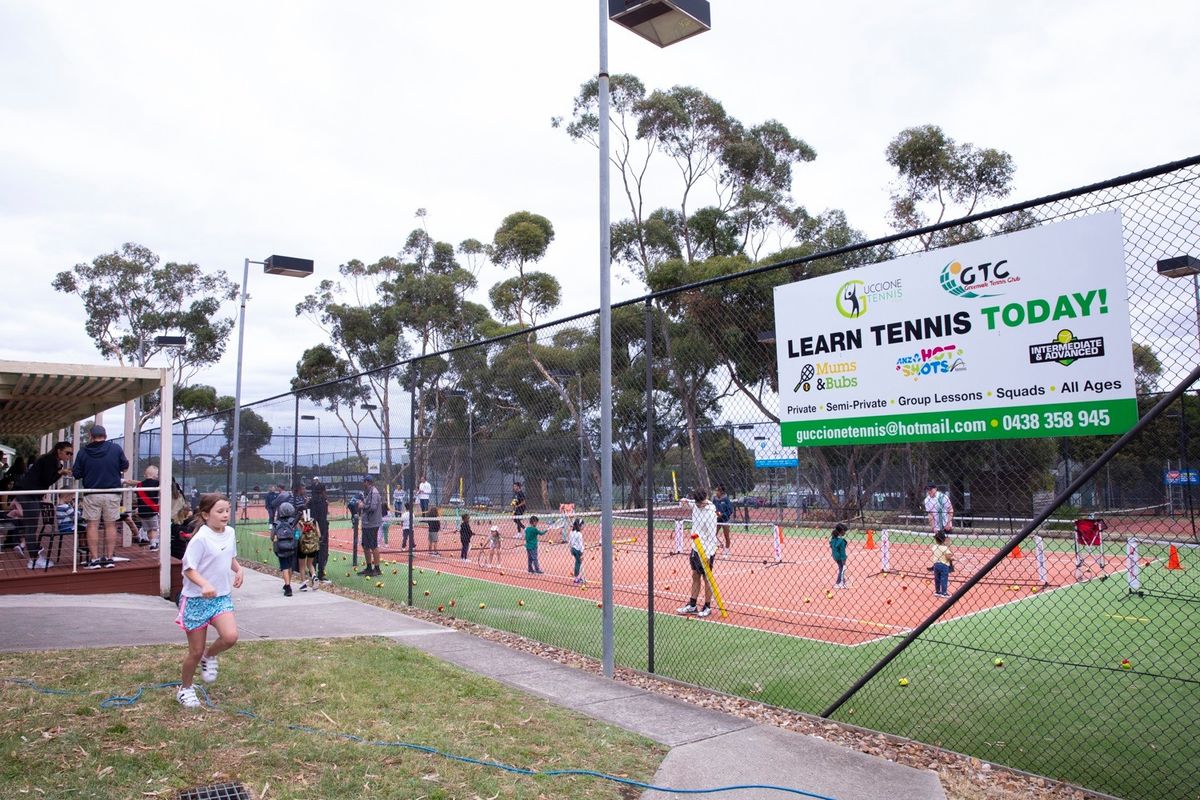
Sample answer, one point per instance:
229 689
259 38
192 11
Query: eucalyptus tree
129 299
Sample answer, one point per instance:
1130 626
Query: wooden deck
138 575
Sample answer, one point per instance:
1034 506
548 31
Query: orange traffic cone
870 545
1173 559
1016 553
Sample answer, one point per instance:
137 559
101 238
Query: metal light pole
578 375
466 395
312 417
274 265
663 22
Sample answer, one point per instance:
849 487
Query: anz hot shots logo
930 361
961 280
854 298
827 376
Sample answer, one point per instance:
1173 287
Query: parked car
482 501
455 500
752 501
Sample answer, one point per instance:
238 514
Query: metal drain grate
218 791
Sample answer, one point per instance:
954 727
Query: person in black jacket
318 506
43 473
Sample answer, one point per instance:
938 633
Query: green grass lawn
66 745
1060 706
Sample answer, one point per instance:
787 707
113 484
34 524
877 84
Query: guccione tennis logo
969 281
854 298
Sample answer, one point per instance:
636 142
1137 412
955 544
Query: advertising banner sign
1015 336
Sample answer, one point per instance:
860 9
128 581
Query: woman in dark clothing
318 506
41 475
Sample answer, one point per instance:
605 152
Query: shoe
688 609
365 573
141 542
187 697
154 545
704 612
287 590
108 563
324 581
20 550
95 563
208 668
304 586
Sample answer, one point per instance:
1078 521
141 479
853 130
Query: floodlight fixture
286 265
663 22
170 341
1179 266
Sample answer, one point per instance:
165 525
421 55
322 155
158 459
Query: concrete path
708 748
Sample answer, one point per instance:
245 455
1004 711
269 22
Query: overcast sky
213 132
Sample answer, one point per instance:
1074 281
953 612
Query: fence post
412 466
648 352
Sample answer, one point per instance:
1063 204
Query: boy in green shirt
531 544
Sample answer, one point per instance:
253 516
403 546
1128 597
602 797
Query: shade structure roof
38 398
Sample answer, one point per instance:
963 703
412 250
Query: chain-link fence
1070 652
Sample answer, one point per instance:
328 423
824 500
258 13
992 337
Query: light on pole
470 498
274 265
311 417
663 22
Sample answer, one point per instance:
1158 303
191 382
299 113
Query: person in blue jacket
100 465
724 508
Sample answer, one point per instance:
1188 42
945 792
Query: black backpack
284 535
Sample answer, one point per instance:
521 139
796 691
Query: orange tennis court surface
794 597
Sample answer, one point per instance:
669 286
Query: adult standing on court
724 509
424 492
372 518
939 509
518 508
270 500
704 526
99 466
318 507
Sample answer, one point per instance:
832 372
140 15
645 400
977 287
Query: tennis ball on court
482 605
1033 590
379 584
441 609
421 571
414 583
427 594
666 588
999 662
903 681
453 603
1014 588
889 602
347 574
1125 664
808 600
395 572
903 587
829 595
520 602
599 605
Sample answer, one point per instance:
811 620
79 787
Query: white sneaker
688 609
187 697
208 668
704 612
154 545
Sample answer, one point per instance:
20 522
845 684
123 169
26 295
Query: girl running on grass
837 546
210 557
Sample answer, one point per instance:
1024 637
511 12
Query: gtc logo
852 299
962 281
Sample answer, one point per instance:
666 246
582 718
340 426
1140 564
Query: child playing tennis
532 532
490 552
205 599
943 563
704 527
837 546
575 543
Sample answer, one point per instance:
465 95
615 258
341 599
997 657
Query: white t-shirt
424 490
575 539
704 524
939 506
211 554
406 520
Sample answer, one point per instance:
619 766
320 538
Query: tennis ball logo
806 375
